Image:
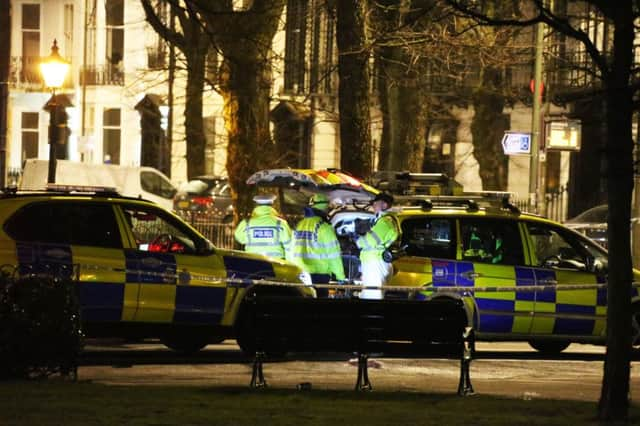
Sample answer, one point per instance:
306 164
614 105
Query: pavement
502 369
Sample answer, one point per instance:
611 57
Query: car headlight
305 278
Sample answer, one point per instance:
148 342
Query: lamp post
54 70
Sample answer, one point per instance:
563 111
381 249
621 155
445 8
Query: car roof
597 214
68 192
459 206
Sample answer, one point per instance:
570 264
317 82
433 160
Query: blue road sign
516 143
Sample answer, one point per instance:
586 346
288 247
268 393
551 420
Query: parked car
141 270
205 194
592 223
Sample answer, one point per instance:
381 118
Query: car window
66 222
491 241
156 184
194 187
429 237
156 232
555 247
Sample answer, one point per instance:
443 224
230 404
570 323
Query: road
507 369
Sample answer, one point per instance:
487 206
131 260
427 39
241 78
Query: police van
141 271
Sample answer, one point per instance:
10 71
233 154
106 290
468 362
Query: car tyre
635 326
549 347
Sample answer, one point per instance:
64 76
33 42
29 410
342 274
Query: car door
492 258
178 282
82 238
560 257
429 255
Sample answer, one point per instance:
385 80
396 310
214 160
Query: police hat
383 196
264 199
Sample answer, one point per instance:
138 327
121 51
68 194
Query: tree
194 43
429 60
245 40
615 68
5 60
400 70
353 89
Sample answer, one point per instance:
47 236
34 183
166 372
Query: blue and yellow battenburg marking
542 311
130 285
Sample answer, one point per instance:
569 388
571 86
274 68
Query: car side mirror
595 265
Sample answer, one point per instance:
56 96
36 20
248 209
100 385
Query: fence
555 204
212 226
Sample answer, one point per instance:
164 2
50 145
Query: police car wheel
549 347
635 325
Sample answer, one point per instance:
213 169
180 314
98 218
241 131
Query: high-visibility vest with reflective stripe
315 248
383 233
264 233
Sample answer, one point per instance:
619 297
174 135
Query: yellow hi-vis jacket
315 248
264 233
383 233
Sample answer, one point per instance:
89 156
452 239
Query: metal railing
102 75
25 73
212 226
555 204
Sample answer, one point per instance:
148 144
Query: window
68 31
322 64
295 46
115 41
429 237
30 43
82 224
156 184
157 46
557 248
491 241
30 135
111 135
155 233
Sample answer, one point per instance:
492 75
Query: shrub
40 333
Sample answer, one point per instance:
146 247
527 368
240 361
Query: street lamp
54 70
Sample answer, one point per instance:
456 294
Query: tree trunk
403 103
384 151
245 85
487 129
614 399
5 60
353 89
193 115
246 92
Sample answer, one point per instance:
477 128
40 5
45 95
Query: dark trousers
321 279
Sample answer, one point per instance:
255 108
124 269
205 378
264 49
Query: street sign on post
564 135
516 143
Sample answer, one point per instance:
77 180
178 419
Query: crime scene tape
179 277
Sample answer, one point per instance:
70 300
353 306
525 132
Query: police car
141 271
522 277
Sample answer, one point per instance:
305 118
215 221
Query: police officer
375 259
315 247
264 232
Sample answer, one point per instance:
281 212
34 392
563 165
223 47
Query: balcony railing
102 75
25 73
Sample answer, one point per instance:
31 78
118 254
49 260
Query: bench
403 328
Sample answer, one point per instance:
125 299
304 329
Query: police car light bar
81 188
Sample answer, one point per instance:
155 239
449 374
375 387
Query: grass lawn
84 403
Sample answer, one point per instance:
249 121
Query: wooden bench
401 328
